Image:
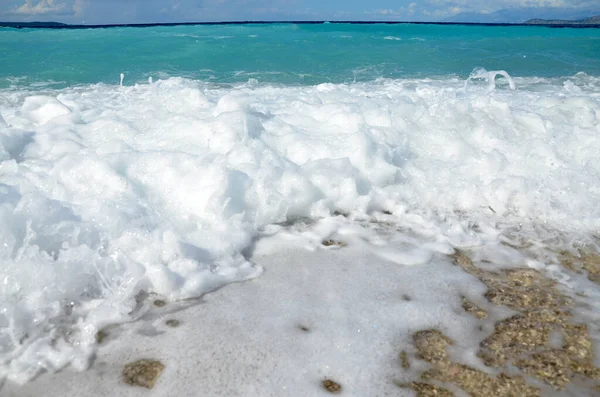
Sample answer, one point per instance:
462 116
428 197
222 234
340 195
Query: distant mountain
520 15
31 24
587 21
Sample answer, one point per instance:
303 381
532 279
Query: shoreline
341 312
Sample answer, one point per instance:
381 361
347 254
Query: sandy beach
336 316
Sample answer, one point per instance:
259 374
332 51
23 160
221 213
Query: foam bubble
106 191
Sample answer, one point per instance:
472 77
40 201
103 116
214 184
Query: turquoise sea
291 53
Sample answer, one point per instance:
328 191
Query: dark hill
587 21
20 25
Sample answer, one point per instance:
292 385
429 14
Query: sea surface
302 54
138 161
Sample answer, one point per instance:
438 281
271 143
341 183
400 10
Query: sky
155 11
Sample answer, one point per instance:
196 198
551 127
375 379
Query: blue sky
147 11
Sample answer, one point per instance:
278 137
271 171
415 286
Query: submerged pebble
143 373
332 386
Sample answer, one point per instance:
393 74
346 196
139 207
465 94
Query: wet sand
342 320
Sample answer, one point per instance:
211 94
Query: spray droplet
480 74
150 81
122 77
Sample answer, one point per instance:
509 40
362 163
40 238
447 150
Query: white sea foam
489 78
106 191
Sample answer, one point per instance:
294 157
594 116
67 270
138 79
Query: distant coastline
595 20
20 25
592 22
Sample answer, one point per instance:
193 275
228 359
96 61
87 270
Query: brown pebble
334 243
404 360
142 373
332 386
473 309
159 303
100 336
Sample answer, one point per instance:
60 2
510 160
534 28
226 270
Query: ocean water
148 160
291 54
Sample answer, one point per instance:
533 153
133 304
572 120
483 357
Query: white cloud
42 7
447 8
128 11
79 7
485 5
386 11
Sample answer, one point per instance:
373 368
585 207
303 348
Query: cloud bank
152 11
43 7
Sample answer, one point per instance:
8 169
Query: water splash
480 74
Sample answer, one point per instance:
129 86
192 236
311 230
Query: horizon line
61 25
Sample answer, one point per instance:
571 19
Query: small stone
431 346
473 309
100 336
142 373
427 390
404 360
332 386
173 323
334 243
304 328
160 303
